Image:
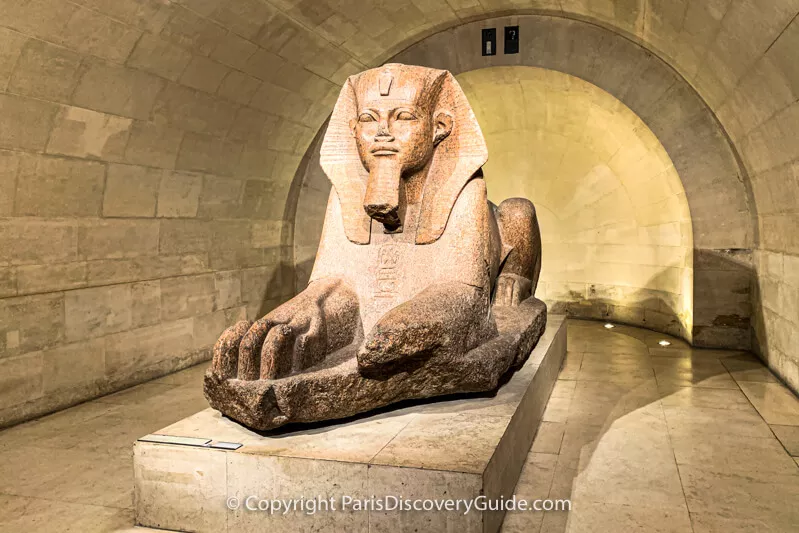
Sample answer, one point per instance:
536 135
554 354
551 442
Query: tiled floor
657 439
640 437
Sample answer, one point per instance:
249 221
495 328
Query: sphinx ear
353 124
443 126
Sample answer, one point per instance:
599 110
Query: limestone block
37 241
228 289
118 90
238 87
154 145
230 235
254 283
145 14
146 267
131 191
234 51
170 474
113 239
286 477
263 62
26 122
194 110
184 236
204 74
145 303
11 44
40 18
266 234
51 277
179 195
100 311
240 258
132 352
88 134
31 323
8 282
280 28
20 379
205 153
245 18
159 56
9 167
45 71
91 33
252 125
256 161
73 365
188 296
791 269
192 31
270 98
221 198
782 54
208 328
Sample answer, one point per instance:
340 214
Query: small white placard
171 439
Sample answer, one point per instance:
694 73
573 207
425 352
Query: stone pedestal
453 449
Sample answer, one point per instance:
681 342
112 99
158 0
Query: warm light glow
615 221
609 326
664 343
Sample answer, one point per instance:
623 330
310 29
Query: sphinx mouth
384 150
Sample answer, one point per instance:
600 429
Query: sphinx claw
226 350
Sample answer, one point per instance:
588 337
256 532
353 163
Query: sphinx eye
405 115
365 117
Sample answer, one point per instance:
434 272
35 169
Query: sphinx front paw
512 289
396 346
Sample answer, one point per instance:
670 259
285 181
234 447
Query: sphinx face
396 139
394 133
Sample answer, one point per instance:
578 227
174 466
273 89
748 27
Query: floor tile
768 497
634 482
596 517
31 515
723 423
563 389
535 480
775 403
702 397
571 365
736 455
548 437
724 523
73 476
789 437
748 368
554 522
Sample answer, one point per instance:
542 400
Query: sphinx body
421 287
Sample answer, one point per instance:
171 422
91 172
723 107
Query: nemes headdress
455 161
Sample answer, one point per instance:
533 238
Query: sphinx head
398 125
399 135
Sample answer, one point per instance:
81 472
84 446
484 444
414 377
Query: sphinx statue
421 287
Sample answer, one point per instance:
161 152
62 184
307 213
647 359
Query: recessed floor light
609 326
664 343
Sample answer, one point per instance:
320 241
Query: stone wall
615 223
142 155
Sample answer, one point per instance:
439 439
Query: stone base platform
451 448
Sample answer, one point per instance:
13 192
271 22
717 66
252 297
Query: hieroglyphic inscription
387 275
